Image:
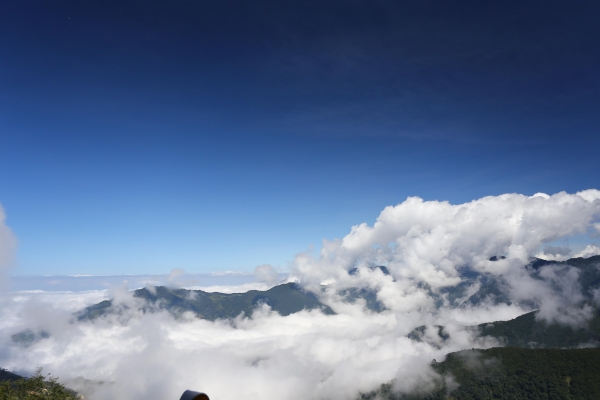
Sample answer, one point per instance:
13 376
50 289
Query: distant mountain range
285 299
525 331
491 288
536 364
289 298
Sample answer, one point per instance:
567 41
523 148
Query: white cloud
425 245
232 289
555 291
555 253
267 274
307 354
589 251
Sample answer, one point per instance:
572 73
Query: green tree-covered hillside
15 387
527 331
511 373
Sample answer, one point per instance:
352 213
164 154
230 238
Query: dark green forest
15 387
511 373
527 331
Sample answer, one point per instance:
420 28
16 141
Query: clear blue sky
141 136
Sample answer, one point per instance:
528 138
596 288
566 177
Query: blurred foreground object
191 395
38 386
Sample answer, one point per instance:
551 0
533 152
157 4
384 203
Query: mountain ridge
286 299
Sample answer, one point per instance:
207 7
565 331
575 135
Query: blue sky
142 136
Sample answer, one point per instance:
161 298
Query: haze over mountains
527 330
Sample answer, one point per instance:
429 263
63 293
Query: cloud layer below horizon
427 246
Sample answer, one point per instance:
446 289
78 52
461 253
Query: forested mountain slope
511 373
527 331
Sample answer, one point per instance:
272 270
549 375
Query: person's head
191 395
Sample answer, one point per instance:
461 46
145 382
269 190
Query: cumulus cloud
425 245
589 251
424 262
266 274
179 278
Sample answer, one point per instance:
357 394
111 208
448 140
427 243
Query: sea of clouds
425 245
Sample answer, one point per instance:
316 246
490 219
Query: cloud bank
428 250
429 241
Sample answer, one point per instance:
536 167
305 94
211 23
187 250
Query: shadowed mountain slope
8 376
